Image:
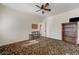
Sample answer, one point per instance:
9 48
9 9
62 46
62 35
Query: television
75 19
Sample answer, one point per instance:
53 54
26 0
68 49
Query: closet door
70 32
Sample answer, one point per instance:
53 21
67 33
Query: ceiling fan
43 7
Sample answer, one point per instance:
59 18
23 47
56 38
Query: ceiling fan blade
47 9
46 5
37 10
37 6
42 6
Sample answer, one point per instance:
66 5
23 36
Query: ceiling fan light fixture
42 12
43 7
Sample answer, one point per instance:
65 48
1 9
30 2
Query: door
44 28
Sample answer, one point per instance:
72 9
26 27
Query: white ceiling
56 8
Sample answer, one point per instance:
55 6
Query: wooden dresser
69 32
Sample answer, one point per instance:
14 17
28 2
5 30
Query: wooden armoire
70 32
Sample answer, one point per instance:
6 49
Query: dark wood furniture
69 32
35 35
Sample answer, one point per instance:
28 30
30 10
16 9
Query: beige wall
15 26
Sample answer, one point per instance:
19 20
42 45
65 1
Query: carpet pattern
42 46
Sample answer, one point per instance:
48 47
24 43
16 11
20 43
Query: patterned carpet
41 46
